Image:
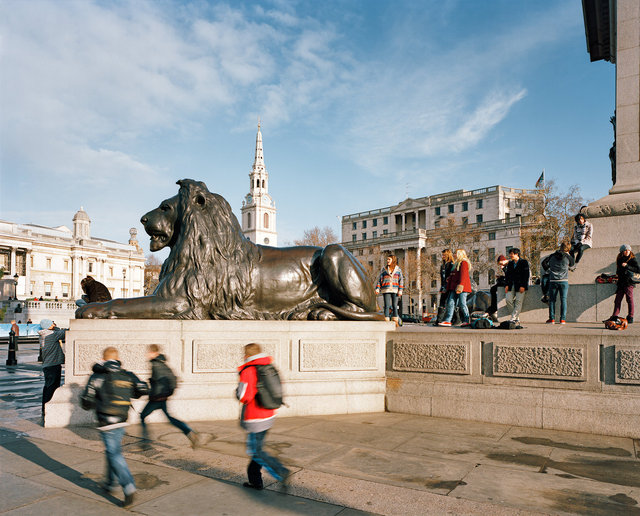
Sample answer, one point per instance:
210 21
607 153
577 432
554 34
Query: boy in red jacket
256 420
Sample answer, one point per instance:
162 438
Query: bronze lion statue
214 272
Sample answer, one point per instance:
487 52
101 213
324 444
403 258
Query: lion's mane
211 260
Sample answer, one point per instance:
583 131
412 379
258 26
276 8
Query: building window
360 252
354 238
266 220
479 218
364 224
479 204
48 263
385 231
123 292
248 220
476 255
508 248
476 277
5 259
492 253
65 290
434 300
434 283
492 235
437 211
374 234
491 276
518 203
375 222
385 220
506 215
451 208
66 265
465 221
465 206
354 225
371 264
436 224
33 287
48 287
31 258
90 266
111 274
364 236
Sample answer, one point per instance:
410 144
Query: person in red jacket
256 420
459 285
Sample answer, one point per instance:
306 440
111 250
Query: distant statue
214 272
612 150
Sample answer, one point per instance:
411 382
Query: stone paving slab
16 492
549 492
64 504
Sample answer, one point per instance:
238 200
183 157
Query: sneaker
630 319
544 299
572 269
550 321
194 437
464 324
285 473
562 321
128 499
107 488
444 323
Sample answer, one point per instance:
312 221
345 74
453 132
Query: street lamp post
15 285
124 278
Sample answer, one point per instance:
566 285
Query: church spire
258 162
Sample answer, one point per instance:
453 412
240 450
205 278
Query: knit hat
625 247
502 258
45 324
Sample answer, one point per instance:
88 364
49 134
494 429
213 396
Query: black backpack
167 382
115 394
269 386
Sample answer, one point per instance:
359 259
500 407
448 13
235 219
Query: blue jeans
460 300
261 459
563 288
390 304
116 465
162 405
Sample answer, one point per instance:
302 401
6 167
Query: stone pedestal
326 367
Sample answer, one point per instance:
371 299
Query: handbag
632 277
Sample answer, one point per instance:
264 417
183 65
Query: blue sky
106 104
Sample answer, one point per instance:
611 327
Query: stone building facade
415 231
50 262
258 208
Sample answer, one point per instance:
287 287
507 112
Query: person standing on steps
162 383
51 338
517 283
557 266
502 262
446 268
459 286
626 261
391 284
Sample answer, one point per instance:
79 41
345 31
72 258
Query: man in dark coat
517 283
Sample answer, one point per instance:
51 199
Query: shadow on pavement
16 443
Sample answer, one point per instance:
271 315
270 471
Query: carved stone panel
540 362
432 358
214 356
133 354
328 355
627 365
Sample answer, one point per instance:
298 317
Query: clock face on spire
249 199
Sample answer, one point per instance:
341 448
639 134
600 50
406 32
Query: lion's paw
322 314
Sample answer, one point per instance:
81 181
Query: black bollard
11 356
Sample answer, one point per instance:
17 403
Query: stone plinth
326 367
564 378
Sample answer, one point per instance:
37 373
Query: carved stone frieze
211 356
539 362
326 355
432 358
133 354
611 210
628 365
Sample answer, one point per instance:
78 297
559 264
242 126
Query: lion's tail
349 315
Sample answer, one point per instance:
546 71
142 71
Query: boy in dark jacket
517 283
109 390
256 420
557 267
162 383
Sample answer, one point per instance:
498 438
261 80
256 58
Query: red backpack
616 323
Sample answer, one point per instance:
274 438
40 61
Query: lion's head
210 260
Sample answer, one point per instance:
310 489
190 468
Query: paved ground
380 463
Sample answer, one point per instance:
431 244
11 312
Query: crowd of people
515 277
111 388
